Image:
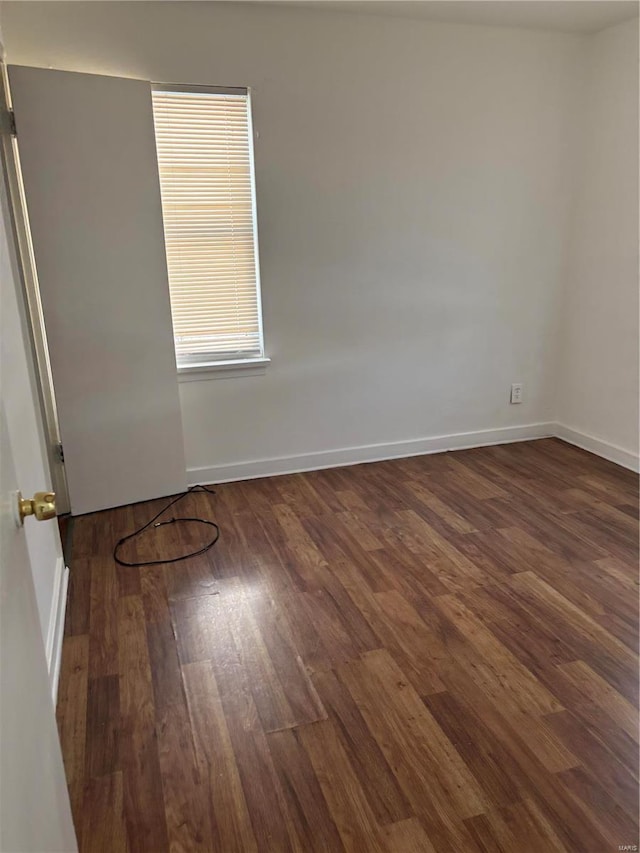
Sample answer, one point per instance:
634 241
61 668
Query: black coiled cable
156 523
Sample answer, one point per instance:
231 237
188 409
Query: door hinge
11 122
58 452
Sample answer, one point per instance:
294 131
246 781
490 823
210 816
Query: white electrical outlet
516 392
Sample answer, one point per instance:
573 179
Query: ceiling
572 16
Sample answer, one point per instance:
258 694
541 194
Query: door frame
29 281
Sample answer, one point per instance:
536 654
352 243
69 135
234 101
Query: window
205 161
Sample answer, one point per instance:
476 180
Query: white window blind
205 161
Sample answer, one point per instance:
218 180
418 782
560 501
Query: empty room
320 430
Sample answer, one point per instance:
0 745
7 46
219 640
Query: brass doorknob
42 505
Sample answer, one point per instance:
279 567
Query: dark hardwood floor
429 654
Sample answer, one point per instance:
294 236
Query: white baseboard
365 453
56 625
598 446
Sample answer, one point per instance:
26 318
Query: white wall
598 378
413 185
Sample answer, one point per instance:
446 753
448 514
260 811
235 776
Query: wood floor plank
142 783
86 537
532 555
351 501
487 668
312 642
229 558
623 746
529 640
482 515
504 678
532 829
399 569
408 836
363 534
426 654
122 521
600 805
378 782
625 574
345 634
562 455
217 762
198 624
191 578
454 569
72 716
153 591
324 492
592 643
600 692
102 825
486 550
315 827
491 833
348 805
185 790
237 692
597 760
103 720
291 491
337 545
78 597
309 561
612 486
248 528
103 619
530 775
282 689
558 531
433 776
489 759
273 828
474 483
416 648
417 644
520 826
438 511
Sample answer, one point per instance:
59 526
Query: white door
19 390
35 815
88 156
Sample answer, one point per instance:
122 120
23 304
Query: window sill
223 369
